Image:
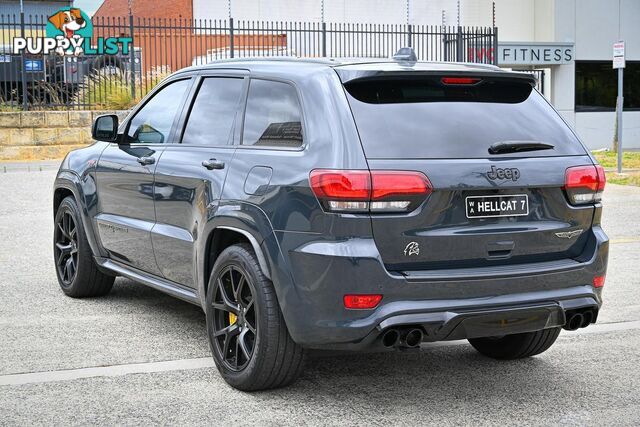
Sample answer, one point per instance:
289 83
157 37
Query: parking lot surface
137 356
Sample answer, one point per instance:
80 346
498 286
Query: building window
597 86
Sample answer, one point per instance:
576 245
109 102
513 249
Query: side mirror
105 128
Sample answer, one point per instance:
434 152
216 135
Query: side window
273 116
214 111
152 123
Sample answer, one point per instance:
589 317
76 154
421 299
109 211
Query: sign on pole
618 55
619 63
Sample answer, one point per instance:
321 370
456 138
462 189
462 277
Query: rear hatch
496 156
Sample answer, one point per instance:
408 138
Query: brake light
460 80
584 184
598 281
362 302
369 191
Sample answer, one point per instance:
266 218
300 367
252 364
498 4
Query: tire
77 272
274 359
516 346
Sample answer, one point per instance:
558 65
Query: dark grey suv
344 205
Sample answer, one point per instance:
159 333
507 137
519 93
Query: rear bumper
530 313
446 305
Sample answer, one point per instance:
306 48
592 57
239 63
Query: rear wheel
516 346
249 340
77 272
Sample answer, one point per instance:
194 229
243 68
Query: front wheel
516 346
249 340
78 274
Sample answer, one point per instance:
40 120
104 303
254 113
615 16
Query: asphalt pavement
137 356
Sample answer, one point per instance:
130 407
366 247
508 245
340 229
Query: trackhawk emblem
412 248
569 234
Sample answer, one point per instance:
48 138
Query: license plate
496 206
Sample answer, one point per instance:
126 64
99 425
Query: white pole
620 105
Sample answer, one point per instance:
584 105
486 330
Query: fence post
409 34
132 60
459 45
231 37
495 46
324 39
25 103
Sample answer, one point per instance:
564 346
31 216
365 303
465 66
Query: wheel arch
59 194
68 183
224 229
224 236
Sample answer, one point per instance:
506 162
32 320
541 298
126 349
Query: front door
190 176
125 178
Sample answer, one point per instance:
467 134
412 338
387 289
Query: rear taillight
584 184
347 191
369 191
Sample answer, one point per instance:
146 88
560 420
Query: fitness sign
69 31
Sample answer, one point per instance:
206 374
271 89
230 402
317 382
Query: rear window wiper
518 146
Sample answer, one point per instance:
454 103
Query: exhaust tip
587 319
413 337
390 338
574 322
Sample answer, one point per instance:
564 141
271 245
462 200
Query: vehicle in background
55 79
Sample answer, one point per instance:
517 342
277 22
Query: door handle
212 164
146 160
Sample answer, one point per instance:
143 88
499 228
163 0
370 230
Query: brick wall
165 9
42 135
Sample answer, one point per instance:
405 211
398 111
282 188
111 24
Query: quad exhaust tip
578 319
402 338
413 338
391 338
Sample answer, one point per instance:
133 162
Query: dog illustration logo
72 24
69 31
68 21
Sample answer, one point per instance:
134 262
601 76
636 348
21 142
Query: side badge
569 234
412 248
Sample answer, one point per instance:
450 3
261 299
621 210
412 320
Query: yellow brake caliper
232 318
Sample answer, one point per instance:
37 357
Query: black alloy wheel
234 318
66 248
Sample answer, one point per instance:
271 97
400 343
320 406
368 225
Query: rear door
485 208
190 175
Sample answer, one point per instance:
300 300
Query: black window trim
578 109
236 73
176 120
304 144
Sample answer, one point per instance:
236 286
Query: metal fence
162 46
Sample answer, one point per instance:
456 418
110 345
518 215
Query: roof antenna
405 54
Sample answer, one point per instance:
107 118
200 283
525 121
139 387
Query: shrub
112 91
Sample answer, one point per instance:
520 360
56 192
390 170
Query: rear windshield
425 118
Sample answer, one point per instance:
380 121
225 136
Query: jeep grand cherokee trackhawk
344 205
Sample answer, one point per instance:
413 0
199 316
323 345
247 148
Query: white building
571 40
